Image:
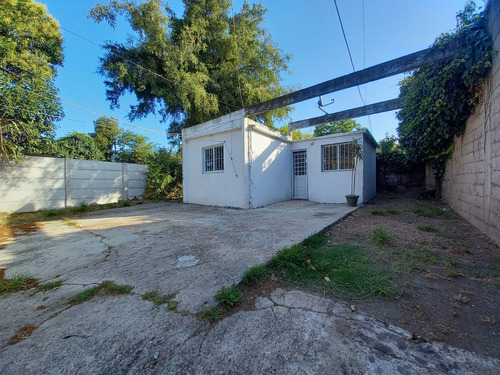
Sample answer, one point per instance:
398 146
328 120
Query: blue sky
307 30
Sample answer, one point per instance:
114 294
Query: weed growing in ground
431 211
157 298
380 237
211 314
254 274
68 221
50 286
17 283
428 228
105 288
228 296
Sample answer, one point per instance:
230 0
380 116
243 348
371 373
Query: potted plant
357 155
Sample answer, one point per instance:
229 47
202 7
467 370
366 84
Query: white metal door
299 181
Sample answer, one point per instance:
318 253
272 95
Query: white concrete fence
47 183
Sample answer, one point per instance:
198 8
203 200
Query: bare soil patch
448 272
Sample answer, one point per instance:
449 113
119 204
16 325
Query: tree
30 52
164 175
106 136
133 148
194 68
77 146
438 99
296 133
342 126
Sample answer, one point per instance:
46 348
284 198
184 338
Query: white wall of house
219 188
269 165
258 165
333 186
49 183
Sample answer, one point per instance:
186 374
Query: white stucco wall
269 165
48 183
224 188
333 186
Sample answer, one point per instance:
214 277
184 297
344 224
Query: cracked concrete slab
292 332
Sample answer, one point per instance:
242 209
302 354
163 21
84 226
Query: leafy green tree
438 99
30 52
194 68
164 176
296 133
133 148
106 135
77 146
337 127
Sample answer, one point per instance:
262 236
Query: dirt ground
448 272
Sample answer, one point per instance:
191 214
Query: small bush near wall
164 176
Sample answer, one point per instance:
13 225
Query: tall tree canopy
342 126
106 136
30 52
438 99
77 145
205 64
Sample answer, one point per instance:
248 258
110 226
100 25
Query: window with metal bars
336 157
213 159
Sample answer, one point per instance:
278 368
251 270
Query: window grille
337 157
213 159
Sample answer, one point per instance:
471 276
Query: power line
84 109
349 50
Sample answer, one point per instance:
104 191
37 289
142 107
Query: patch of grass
254 274
332 268
125 204
68 221
23 333
211 314
454 274
83 296
105 288
50 286
380 237
428 228
315 241
479 275
427 255
495 267
431 211
157 298
51 214
229 296
17 283
380 212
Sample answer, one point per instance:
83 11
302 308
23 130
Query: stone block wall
471 184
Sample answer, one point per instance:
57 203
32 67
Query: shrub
164 176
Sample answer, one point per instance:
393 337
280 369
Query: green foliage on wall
438 99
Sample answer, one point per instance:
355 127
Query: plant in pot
357 155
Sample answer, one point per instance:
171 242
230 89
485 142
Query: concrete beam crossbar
374 73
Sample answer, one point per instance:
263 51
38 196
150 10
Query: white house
233 161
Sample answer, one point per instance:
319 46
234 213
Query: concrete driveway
192 251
